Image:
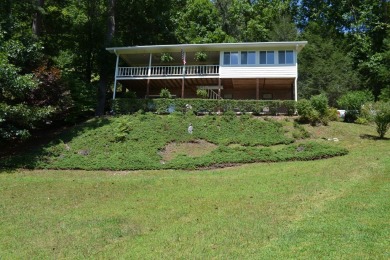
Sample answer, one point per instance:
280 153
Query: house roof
298 45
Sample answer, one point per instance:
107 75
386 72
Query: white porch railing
156 71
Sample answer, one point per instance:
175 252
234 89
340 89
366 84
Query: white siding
258 72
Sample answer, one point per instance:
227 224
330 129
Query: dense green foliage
53 62
137 141
165 105
316 110
354 100
382 117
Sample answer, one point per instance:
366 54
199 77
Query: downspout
296 74
149 73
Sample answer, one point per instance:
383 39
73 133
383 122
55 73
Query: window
234 58
248 57
286 57
226 58
267 57
230 58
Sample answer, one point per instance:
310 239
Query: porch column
149 73
116 74
182 87
257 89
296 75
296 89
183 56
219 88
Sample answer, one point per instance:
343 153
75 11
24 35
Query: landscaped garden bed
139 141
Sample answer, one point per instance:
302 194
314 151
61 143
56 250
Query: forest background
54 68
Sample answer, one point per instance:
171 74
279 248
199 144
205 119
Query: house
254 70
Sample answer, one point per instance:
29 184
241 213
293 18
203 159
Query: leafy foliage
164 93
201 93
316 110
161 105
382 117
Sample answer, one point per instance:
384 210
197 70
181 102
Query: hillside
149 141
334 208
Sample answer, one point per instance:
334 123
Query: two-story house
254 70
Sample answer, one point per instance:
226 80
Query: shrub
385 95
161 105
361 121
201 93
332 114
367 112
355 99
306 111
382 117
164 93
314 111
320 104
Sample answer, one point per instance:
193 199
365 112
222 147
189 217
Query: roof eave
298 45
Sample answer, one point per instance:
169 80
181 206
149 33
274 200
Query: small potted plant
201 93
200 56
166 57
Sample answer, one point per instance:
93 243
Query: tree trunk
37 18
104 65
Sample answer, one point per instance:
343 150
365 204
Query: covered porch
225 88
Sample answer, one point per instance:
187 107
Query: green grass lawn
333 208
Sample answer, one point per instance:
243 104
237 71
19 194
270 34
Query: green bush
314 111
361 121
332 114
164 93
201 93
306 112
382 117
320 104
385 94
161 105
354 100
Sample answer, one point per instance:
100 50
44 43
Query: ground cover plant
138 141
336 208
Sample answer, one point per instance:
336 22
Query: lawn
333 208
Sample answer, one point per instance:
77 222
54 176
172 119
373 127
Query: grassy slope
334 208
136 142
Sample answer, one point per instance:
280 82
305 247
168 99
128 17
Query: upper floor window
248 57
286 57
267 57
230 58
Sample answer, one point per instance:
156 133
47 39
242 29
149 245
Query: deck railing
159 71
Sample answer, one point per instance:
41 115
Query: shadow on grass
28 154
373 137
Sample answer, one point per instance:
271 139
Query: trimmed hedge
163 105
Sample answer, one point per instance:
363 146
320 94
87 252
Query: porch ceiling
281 83
142 59
170 83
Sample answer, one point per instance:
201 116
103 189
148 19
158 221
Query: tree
104 56
199 22
325 68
